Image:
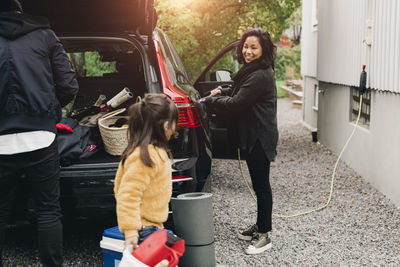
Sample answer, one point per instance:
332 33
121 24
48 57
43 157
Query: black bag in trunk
76 146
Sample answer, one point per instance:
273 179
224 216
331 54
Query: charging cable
363 80
362 89
333 174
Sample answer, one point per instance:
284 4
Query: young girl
143 185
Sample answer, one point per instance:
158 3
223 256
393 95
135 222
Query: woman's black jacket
252 109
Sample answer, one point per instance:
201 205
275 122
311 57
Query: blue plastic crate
112 245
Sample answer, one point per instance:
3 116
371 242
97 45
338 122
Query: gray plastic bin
193 220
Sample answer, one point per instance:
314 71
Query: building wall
309 39
342 27
309 35
310 110
373 152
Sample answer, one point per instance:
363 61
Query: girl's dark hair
268 47
146 125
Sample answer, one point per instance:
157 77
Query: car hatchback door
96 16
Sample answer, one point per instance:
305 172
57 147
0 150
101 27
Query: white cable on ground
333 174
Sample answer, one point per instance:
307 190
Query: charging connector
363 81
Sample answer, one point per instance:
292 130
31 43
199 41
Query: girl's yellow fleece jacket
143 193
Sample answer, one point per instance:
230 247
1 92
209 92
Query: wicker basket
115 139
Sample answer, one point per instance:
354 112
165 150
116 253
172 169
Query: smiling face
251 49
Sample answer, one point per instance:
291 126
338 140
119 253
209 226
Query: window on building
316 91
365 108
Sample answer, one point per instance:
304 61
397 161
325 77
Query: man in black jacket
36 79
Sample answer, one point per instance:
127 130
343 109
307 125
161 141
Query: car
113 45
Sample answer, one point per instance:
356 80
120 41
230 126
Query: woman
252 103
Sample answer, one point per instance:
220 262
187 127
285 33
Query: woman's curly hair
268 48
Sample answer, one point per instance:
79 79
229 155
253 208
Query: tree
271 15
294 22
200 28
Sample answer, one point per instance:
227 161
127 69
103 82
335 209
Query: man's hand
133 240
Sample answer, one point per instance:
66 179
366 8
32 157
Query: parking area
360 227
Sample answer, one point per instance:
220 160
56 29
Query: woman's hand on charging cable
215 92
133 240
206 100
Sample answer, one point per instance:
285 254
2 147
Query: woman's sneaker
259 244
247 234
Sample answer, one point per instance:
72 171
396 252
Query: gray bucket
193 218
198 256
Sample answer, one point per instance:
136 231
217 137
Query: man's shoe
259 244
247 234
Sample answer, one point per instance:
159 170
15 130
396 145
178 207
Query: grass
280 93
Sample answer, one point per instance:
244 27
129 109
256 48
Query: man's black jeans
258 165
41 168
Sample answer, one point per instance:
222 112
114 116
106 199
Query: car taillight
178 177
188 115
181 178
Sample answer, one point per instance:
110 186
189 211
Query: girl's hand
133 240
216 92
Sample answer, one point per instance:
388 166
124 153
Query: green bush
286 57
279 92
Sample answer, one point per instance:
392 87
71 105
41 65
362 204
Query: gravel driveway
360 227
81 244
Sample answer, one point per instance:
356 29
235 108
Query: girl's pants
258 165
148 230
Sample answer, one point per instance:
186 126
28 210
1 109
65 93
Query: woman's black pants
41 169
258 165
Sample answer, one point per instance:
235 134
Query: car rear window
105 66
100 58
91 64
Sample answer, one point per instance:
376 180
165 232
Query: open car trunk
104 66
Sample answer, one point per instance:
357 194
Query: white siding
373 153
341 31
308 42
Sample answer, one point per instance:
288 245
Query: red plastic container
154 249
